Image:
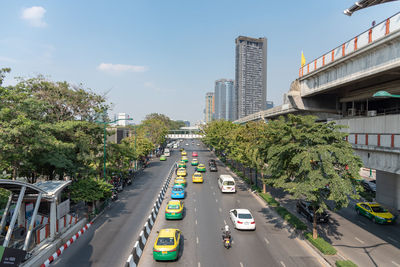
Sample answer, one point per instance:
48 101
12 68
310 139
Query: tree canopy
310 160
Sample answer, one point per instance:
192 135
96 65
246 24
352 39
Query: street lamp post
105 140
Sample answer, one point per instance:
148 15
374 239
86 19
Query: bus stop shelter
21 192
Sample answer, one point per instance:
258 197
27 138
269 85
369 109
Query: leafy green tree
90 190
218 133
313 161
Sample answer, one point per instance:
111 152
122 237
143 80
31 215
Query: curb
66 245
134 257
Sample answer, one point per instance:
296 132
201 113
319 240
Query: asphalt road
271 244
355 237
110 239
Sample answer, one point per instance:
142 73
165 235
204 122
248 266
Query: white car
187 144
198 144
242 219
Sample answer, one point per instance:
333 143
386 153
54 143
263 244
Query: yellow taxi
375 212
181 172
197 177
183 153
184 159
180 180
166 247
174 210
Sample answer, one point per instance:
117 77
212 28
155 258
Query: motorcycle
226 237
114 194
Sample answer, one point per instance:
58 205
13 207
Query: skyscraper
250 75
225 100
208 114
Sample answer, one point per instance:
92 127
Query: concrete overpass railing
372 35
184 136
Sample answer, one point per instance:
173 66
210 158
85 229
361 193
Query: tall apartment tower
209 111
250 75
225 100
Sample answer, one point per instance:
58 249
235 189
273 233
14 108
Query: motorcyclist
226 233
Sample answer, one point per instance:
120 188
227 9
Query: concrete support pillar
14 217
53 219
33 220
388 189
3 219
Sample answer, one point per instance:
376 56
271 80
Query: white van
226 183
167 153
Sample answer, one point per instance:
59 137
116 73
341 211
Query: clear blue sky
163 56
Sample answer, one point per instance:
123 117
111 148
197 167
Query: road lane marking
283 264
198 264
224 222
212 187
238 201
241 264
359 240
196 221
214 193
393 240
195 210
395 263
266 240
194 200
197 239
220 210
216 200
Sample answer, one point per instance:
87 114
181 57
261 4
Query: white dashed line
196 222
363 223
214 193
359 240
238 201
220 210
224 222
195 209
241 264
266 240
198 264
393 240
197 239
216 200
194 200
283 264
395 263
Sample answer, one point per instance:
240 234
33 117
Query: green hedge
269 199
291 219
321 244
347 263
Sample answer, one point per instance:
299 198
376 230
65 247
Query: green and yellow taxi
163 158
184 158
166 246
174 210
375 212
183 153
201 168
194 162
182 164
180 180
181 172
197 177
